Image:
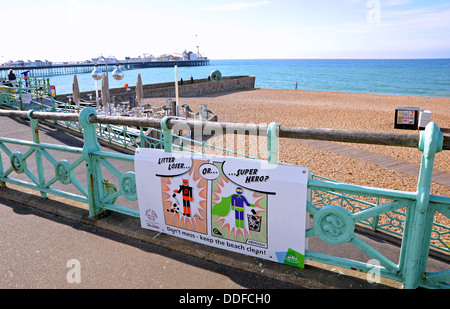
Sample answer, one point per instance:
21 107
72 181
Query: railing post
47 83
418 230
167 134
38 153
272 135
53 108
2 183
142 137
93 169
20 95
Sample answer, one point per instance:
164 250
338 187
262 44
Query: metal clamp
167 134
272 135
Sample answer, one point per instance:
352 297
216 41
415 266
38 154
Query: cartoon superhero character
237 204
186 191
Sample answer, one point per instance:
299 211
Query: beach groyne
188 88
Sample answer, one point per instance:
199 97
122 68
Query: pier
45 69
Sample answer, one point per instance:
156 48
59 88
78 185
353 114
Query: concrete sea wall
198 87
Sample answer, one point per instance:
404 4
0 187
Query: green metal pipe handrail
367 137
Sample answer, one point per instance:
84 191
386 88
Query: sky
75 30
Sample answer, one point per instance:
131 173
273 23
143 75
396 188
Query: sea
410 77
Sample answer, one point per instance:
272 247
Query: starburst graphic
176 211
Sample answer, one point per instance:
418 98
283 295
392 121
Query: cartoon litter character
174 208
187 197
254 222
237 204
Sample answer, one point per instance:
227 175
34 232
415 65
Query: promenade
40 237
39 251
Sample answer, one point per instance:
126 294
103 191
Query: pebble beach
349 111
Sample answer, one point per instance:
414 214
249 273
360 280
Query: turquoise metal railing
336 208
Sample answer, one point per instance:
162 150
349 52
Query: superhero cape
222 208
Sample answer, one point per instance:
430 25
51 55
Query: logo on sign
151 215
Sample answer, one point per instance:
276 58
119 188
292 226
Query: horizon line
437 58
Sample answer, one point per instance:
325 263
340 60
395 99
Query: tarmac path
42 251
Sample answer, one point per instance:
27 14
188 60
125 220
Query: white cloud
419 18
382 2
396 2
236 6
73 11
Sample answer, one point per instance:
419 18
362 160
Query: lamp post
97 74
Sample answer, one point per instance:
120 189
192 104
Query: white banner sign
241 205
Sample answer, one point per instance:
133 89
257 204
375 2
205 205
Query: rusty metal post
93 169
38 153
